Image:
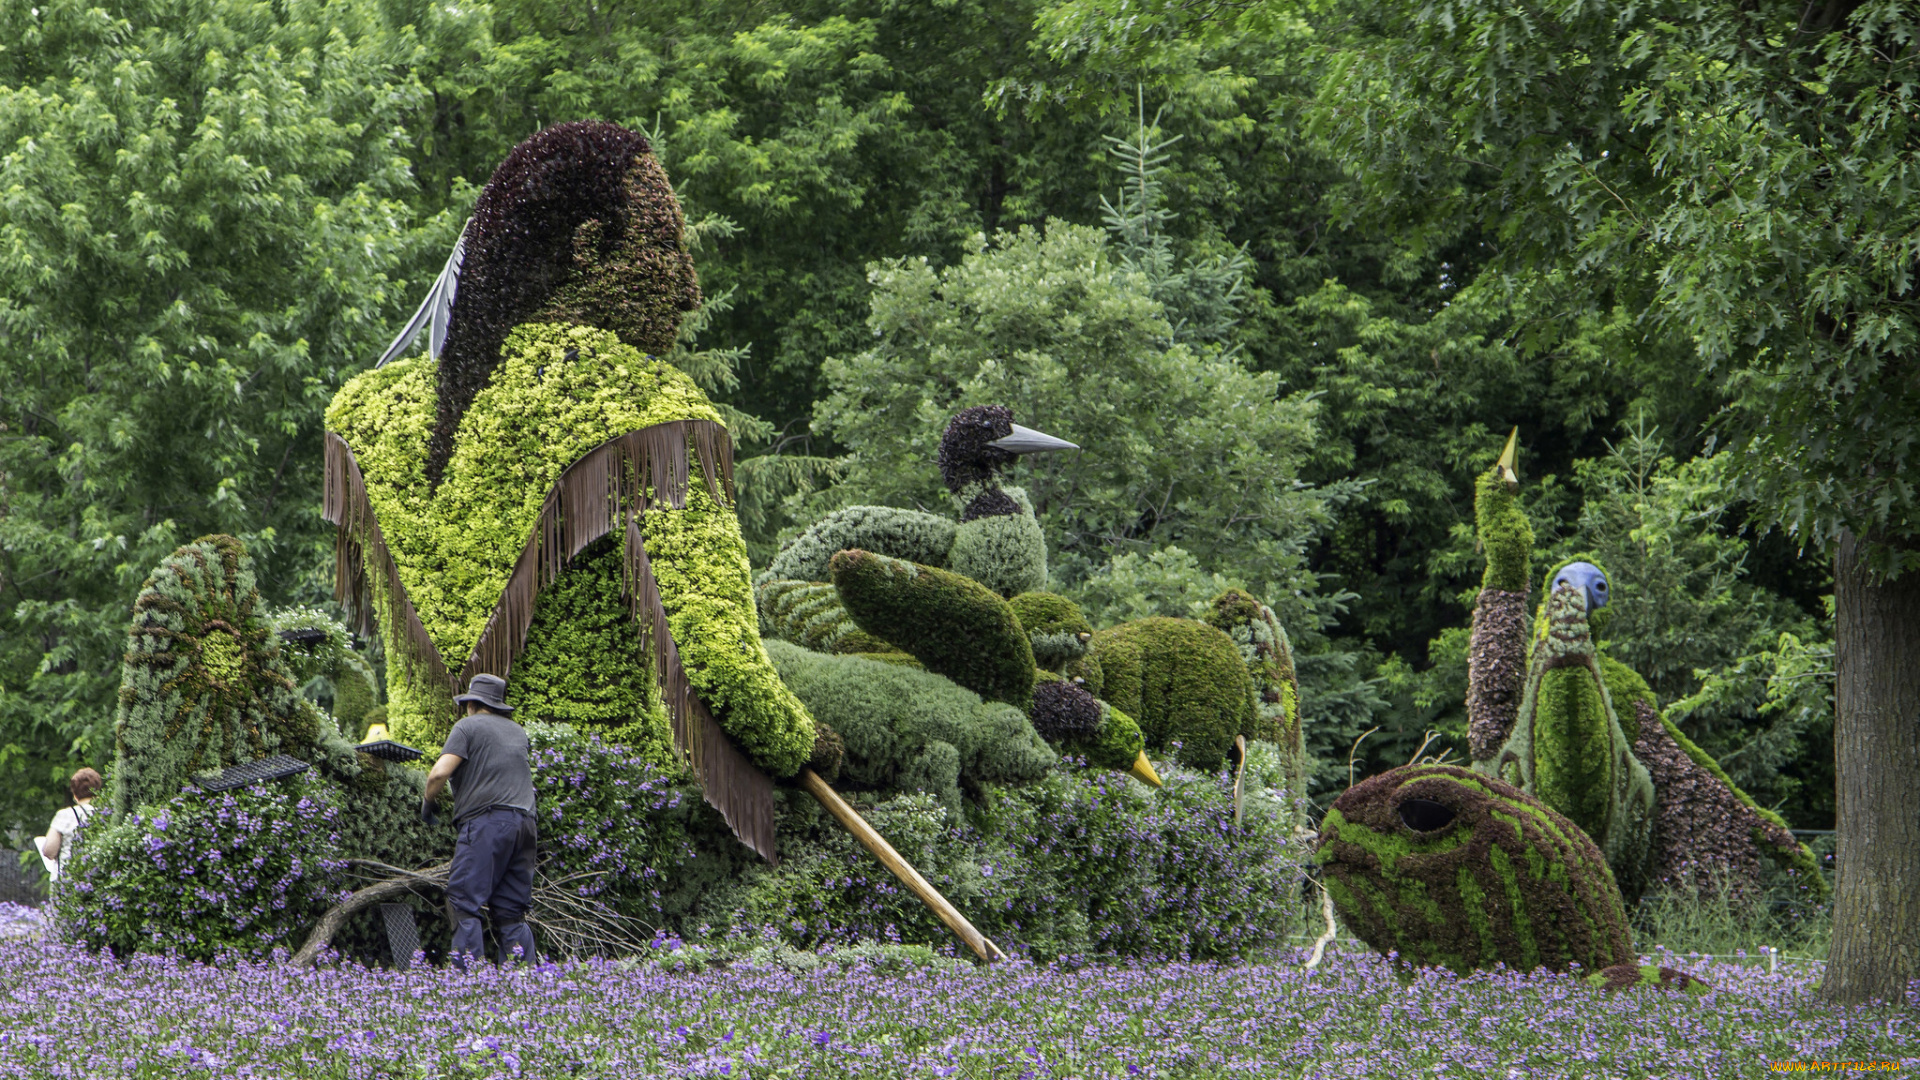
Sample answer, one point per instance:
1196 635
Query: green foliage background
1288 331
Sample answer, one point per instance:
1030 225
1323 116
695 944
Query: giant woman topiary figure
553 498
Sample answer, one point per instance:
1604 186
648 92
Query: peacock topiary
1550 713
1454 869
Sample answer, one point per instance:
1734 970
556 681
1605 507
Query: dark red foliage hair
578 224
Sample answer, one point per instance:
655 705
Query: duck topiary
1451 868
1183 681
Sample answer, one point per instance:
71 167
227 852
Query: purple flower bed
68 1013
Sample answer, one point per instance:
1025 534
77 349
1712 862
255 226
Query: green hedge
906 729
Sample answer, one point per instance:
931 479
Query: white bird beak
1025 440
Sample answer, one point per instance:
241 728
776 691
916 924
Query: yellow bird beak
1507 458
1142 770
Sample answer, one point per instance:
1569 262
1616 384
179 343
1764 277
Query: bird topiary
1582 731
904 729
1453 869
1057 630
1568 747
997 541
952 624
1182 681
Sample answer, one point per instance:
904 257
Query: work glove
427 812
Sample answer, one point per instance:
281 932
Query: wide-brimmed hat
488 690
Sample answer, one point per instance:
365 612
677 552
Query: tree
204 207
1740 175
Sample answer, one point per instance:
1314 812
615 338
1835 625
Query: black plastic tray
388 750
259 770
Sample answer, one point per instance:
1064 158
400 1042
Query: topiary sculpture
1567 746
1453 869
204 686
997 541
1183 681
1060 635
1582 732
1268 654
952 624
467 489
904 729
317 646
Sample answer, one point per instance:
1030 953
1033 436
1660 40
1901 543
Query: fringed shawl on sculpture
610 487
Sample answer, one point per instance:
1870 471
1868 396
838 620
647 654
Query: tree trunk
1876 746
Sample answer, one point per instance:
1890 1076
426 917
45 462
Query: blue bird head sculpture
1587 577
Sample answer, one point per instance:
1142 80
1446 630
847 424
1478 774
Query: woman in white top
53 847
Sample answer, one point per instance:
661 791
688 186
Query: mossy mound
1182 681
1453 869
909 730
952 624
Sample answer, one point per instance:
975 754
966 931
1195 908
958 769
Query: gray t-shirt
493 771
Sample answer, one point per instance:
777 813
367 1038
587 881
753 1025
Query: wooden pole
902 869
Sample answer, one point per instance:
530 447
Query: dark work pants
493 867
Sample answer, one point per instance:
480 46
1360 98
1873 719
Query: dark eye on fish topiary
1424 815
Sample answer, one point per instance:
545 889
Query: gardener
493 860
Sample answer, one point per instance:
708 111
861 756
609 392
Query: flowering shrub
246 870
1082 862
610 811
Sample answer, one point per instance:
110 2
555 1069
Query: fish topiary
1182 681
1453 869
952 624
904 729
